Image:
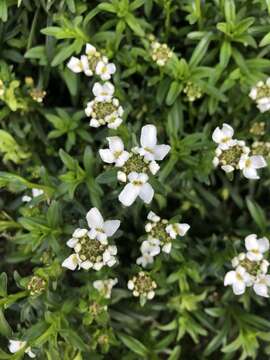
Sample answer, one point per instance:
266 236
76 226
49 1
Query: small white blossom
105 70
250 164
121 176
138 186
142 285
103 92
105 287
116 153
149 148
151 247
261 285
256 247
239 279
17 345
223 136
145 260
100 229
177 229
261 95
35 193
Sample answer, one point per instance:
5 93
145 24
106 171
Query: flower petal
261 289
94 218
115 144
75 64
250 173
258 161
148 136
251 242
230 278
107 156
146 193
71 262
239 287
263 244
129 194
111 226
160 151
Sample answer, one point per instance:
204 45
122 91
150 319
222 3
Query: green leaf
174 91
265 40
257 214
3 284
133 344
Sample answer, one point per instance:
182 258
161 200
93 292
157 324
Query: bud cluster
105 286
160 53
36 285
260 93
192 91
142 285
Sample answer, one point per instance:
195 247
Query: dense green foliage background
221 47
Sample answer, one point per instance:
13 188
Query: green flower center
263 91
159 232
93 60
252 267
231 156
143 283
103 109
135 163
91 250
36 285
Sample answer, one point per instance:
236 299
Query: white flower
77 234
16 345
256 247
103 92
116 153
35 193
72 262
154 167
105 286
263 104
121 176
100 229
90 50
153 217
137 186
177 229
261 285
223 136
145 260
105 70
250 164
151 247
238 279
75 65
150 150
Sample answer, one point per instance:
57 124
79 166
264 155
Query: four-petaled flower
238 279
116 153
17 345
250 164
256 247
223 136
103 92
138 186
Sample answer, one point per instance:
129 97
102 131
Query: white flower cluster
261 95
142 285
91 247
17 345
232 154
92 62
35 193
105 287
160 236
160 53
136 165
104 109
250 268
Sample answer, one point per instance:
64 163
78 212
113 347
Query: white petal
217 135
75 65
129 194
115 124
160 151
242 161
146 193
97 89
111 68
37 192
94 123
120 161
108 88
227 168
16 345
107 156
72 242
90 49
261 289
111 226
182 229
227 130
154 167
26 198
230 278
250 173
133 176
153 217
30 353
148 136
78 233
239 287
254 256
86 265
115 144
258 161
130 285
121 176
167 248
263 244
71 262
251 242
94 218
